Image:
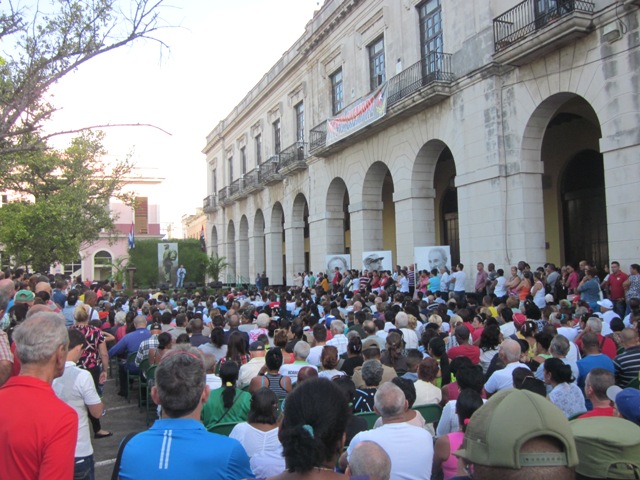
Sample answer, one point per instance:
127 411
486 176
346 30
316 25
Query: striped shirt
627 366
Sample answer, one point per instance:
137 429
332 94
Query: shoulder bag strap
115 475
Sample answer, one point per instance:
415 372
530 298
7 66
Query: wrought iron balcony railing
435 67
250 180
234 188
223 195
318 136
209 203
294 153
269 170
526 18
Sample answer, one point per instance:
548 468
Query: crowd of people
536 375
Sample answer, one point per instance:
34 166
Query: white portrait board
428 258
340 260
377 260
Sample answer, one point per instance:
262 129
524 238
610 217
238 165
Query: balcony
525 33
293 158
209 204
251 182
270 171
419 86
223 196
234 190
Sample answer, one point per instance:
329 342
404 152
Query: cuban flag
131 238
203 243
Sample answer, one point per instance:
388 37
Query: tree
215 265
68 203
65 194
47 45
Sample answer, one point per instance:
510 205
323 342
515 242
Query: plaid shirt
5 348
145 346
340 342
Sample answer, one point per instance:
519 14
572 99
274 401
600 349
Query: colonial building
507 130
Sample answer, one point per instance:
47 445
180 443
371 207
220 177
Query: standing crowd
398 374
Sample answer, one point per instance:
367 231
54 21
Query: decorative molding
256 128
275 113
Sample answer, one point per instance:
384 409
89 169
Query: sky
218 50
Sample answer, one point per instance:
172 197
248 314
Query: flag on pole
131 238
203 243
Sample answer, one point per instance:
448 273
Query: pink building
94 261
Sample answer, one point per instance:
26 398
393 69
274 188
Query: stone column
366 229
256 256
415 222
326 236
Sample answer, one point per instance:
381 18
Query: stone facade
510 133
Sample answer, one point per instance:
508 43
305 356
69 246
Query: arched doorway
380 216
276 247
447 201
102 266
298 238
338 218
584 210
231 253
214 240
568 134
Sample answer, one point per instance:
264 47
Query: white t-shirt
314 355
410 338
460 279
254 440
500 290
501 379
76 388
409 447
291 370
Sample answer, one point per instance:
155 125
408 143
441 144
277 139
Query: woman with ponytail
227 404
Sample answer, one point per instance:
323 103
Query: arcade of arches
383 208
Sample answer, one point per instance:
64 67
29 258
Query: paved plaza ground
122 418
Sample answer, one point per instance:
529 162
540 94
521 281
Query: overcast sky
220 51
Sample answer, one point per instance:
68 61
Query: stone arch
374 219
275 246
231 252
214 240
243 251
297 238
338 218
561 138
257 247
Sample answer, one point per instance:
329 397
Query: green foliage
215 265
144 257
70 208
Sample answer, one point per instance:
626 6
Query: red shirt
469 351
38 431
607 346
598 412
616 291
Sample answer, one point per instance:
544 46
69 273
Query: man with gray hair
559 348
410 448
38 431
178 445
300 354
369 460
500 379
339 339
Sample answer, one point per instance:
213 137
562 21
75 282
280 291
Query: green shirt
214 411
